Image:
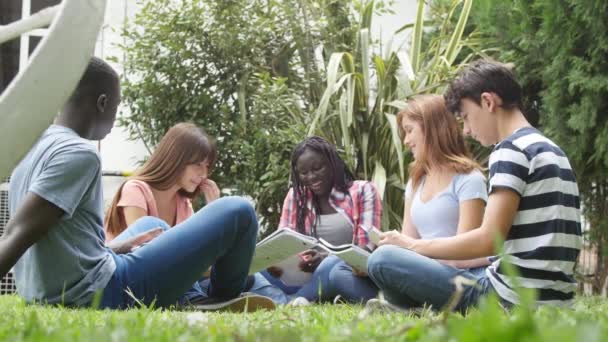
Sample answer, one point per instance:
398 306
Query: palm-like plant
364 92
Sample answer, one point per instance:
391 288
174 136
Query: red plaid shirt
361 207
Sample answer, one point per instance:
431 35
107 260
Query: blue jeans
352 288
148 223
316 289
260 286
409 279
222 234
331 278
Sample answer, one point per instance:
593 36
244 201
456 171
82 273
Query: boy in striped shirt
533 206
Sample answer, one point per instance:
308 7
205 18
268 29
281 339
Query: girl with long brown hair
164 186
160 195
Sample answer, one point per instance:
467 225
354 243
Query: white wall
117 152
384 27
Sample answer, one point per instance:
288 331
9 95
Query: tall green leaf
454 45
417 37
379 178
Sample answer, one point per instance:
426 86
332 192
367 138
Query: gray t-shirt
335 229
438 217
71 262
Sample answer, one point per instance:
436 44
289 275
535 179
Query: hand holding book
310 260
292 253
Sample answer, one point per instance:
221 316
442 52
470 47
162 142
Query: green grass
586 321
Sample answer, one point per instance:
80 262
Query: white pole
40 19
31 101
24 40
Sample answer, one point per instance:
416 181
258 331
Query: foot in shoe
299 301
246 302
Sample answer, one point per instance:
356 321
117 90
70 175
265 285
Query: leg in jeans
142 225
287 289
318 288
353 288
222 234
408 279
148 223
261 286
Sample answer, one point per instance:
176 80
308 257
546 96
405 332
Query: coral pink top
138 194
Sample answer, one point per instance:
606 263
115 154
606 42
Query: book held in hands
282 249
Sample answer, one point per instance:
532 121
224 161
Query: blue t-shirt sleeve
471 186
66 178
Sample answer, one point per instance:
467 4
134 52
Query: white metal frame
24 50
47 78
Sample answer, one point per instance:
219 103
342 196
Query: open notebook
282 249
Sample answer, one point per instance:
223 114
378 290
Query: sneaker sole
239 304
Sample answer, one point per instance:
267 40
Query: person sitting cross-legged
325 201
533 205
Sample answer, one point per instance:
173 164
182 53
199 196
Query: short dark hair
484 76
98 78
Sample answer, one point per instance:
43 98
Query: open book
282 249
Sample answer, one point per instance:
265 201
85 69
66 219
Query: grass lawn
586 321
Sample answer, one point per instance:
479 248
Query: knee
240 208
327 264
152 222
338 273
237 205
380 257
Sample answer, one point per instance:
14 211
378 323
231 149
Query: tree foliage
366 87
560 51
244 70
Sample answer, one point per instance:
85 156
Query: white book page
375 235
353 255
278 247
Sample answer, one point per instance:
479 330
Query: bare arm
498 218
133 214
31 222
408 228
470 216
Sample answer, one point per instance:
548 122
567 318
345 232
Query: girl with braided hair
326 202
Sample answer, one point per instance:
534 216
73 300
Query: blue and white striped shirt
545 239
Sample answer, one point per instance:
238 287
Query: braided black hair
342 178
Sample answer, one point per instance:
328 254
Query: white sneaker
299 301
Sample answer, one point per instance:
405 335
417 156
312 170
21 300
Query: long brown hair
183 144
444 143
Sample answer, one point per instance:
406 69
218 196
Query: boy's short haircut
484 76
98 78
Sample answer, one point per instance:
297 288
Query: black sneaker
246 302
